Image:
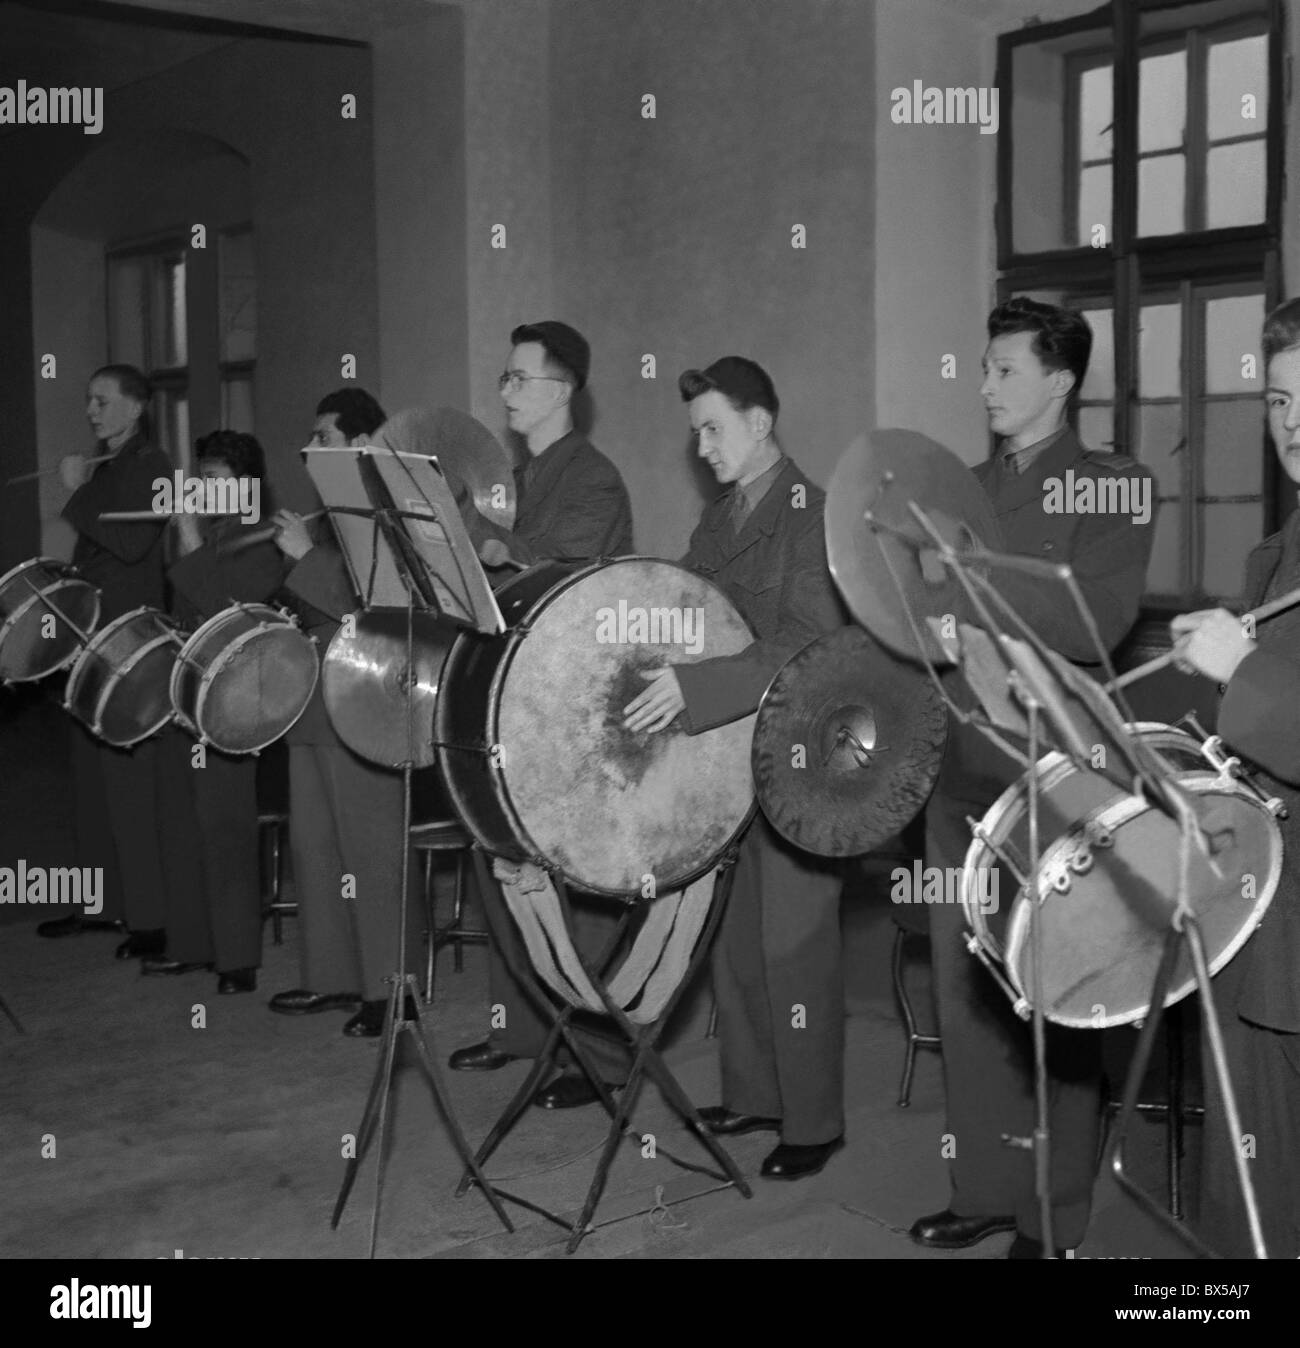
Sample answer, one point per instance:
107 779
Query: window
1138 181
237 323
148 326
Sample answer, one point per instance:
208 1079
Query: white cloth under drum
654 966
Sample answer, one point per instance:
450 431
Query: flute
1264 611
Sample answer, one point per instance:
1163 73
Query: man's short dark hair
743 382
241 453
1062 337
355 411
565 346
1281 330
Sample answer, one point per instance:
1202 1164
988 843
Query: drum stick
45 472
1260 614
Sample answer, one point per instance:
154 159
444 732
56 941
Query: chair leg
457 903
712 1031
1174 1111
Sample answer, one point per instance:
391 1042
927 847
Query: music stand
398 556
641 1039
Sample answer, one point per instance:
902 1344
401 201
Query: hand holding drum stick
1260 614
59 468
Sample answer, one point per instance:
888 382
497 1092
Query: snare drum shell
143 643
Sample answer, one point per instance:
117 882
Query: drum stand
375 1117
642 1040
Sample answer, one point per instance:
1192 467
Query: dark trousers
208 818
779 983
345 832
525 1027
1265 1069
115 820
988 1071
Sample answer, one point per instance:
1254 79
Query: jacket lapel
1053 462
762 520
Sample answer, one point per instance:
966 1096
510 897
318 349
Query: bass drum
530 739
1107 878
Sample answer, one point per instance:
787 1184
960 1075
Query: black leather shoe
947 1231
480 1058
237 980
160 964
1026 1247
790 1162
74 925
568 1091
368 1023
140 943
301 1002
723 1121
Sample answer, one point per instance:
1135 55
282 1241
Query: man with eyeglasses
573 507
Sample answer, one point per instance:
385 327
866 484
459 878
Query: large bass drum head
617 810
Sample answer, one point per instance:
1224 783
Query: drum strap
654 966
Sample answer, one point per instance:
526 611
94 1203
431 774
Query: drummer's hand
188 534
74 471
292 536
525 875
1212 642
659 705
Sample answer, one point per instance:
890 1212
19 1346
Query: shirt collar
1016 461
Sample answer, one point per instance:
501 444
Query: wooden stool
431 839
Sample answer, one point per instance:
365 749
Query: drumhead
34 641
618 811
119 685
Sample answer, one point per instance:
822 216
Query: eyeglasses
514 380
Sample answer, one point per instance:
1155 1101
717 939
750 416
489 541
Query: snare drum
529 727
1107 880
244 678
34 640
118 685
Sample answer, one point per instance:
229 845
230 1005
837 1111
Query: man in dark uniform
214 915
1034 365
572 506
1257 996
115 790
777 972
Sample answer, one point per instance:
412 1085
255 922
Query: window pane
1238 71
1234 185
1099 383
1230 533
1095 116
238 297
1234 448
1160 350
1159 445
1160 195
1165 570
237 405
1094 202
168 345
1097 426
126 311
1162 101
1232 328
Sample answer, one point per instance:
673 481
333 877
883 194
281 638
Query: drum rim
20 613
73 688
513 638
1121 811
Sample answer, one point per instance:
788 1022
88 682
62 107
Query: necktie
739 510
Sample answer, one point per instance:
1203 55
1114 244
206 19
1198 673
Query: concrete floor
221 1133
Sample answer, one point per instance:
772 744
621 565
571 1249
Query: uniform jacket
1260 719
576 508
207 580
775 572
1108 554
126 559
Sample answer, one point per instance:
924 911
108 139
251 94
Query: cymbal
468 454
847 744
873 537
364 679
